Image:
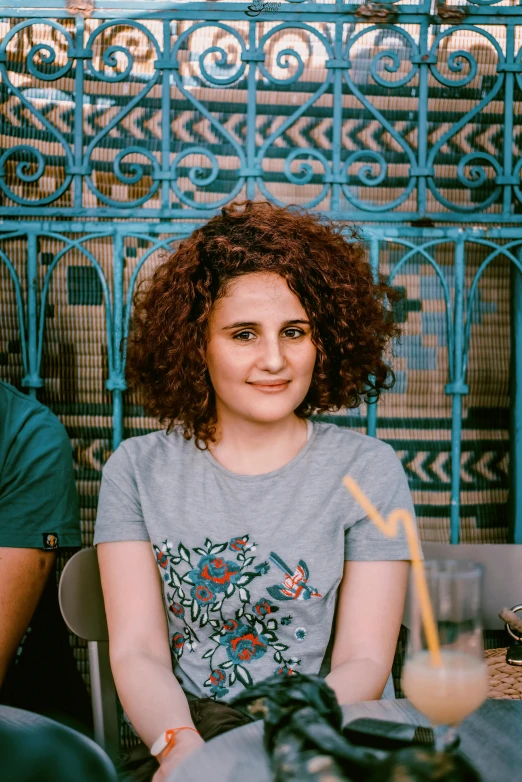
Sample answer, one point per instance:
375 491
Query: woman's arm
369 613
138 642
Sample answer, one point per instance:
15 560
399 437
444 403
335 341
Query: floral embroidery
242 642
217 679
162 559
198 597
177 609
215 573
237 544
177 643
264 607
285 670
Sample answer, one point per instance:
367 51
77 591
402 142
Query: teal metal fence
414 136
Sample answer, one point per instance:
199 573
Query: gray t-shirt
251 564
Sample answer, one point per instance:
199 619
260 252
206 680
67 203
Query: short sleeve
386 485
119 515
38 496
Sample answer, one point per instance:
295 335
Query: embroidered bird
294 587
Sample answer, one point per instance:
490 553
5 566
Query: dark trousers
44 677
211 718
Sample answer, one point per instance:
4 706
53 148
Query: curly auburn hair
351 320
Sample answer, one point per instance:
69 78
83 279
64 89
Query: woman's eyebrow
245 324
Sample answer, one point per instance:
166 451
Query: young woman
229 548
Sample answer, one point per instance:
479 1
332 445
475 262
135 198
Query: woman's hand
186 742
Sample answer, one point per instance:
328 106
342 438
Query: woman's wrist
186 741
186 736
170 738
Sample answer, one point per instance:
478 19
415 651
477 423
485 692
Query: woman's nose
273 357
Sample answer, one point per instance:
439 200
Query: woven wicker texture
505 680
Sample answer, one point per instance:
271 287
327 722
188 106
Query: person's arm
369 613
139 647
37 497
23 574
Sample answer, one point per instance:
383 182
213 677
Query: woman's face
259 333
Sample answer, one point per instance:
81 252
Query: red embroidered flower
217 676
264 607
283 670
237 544
177 609
244 644
162 559
202 594
178 641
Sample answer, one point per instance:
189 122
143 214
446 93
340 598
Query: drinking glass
448 693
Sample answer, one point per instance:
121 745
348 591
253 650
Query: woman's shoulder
141 450
349 442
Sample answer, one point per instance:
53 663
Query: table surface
491 738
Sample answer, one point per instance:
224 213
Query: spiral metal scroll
384 171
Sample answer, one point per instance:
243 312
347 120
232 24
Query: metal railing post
515 409
456 387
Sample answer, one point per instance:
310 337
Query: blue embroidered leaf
270 635
181 592
278 657
217 606
188 578
176 560
214 622
246 578
294 661
215 636
272 624
203 620
184 552
244 595
228 664
279 647
208 543
174 577
208 683
208 653
186 602
232 679
218 548
240 612
194 610
243 676
249 561
201 551
229 590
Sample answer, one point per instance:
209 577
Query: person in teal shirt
39 515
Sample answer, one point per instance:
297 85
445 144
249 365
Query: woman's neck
255 450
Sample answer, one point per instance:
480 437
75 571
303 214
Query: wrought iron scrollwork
121 148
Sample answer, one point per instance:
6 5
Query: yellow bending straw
389 528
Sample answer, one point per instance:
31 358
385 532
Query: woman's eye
241 334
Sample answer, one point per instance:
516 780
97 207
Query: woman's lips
271 389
